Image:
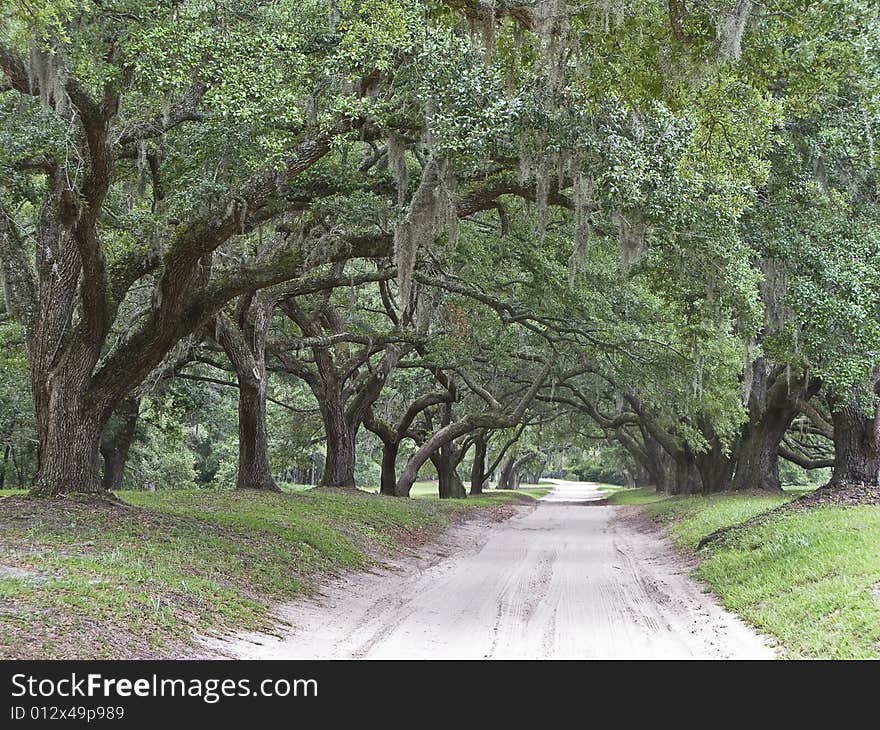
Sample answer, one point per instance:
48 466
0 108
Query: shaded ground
564 579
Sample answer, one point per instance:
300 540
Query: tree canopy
393 237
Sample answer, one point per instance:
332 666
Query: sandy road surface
565 579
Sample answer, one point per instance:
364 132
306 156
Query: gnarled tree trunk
715 465
70 444
508 478
772 406
391 436
446 460
757 464
658 462
449 483
254 471
856 447
446 434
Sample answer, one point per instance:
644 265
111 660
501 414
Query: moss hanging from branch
731 28
396 152
583 200
542 194
142 167
631 233
427 302
48 78
431 213
553 29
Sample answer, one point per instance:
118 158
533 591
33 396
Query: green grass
82 580
809 578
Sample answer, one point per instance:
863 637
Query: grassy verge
811 578
79 579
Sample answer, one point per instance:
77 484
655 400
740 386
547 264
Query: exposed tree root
724 532
273 488
102 497
89 499
846 494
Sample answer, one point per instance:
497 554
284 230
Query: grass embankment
809 578
139 579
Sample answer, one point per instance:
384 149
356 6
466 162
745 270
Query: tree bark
507 479
773 404
70 442
856 447
389 467
254 470
478 468
715 469
392 436
472 422
715 465
7 447
340 460
687 477
652 462
116 442
658 462
449 483
344 388
244 343
757 464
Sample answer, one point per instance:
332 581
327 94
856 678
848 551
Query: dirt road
565 579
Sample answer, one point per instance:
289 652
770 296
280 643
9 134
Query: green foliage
605 465
652 166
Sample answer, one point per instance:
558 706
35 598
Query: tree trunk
653 463
687 477
506 479
478 468
716 470
856 447
534 477
389 467
116 442
772 407
657 463
244 343
450 485
757 465
254 471
70 442
6 452
340 459
715 466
